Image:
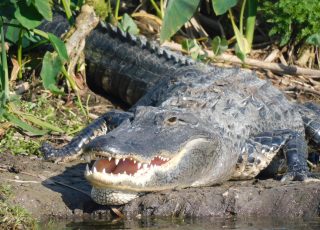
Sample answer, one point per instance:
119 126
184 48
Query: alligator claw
295 176
52 154
47 151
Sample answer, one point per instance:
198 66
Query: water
189 224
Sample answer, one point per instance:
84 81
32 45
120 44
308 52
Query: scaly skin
190 125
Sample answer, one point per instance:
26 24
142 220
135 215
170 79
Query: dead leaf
15 70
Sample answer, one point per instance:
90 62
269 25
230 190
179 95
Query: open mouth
123 166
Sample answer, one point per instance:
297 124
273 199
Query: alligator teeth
134 161
87 169
124 172
109 158
139 165
94 170
103 170
145 166
116 161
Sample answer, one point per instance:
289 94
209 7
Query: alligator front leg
72 150
263 151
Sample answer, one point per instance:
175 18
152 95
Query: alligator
189 124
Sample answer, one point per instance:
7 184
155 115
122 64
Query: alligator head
156 150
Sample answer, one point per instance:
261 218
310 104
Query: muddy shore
49 190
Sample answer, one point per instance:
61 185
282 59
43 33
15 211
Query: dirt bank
50 190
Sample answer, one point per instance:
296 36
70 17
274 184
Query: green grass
52 110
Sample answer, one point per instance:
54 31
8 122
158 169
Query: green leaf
242 43
192 47
44 8
314 39
219 45
177 13
23 125
222 6
188 44
41 123
51 66
12 33
59 47
128 25
241 55
28 16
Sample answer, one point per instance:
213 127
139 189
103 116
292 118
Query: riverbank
49 190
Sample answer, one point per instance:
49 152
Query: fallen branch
85 23
274 67
302 88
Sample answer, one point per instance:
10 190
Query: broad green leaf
128 25
23 125
59 47
177 13
314 39
222 6
12 33
219 45
28 16
51 66
44 8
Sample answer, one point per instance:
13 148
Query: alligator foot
263 152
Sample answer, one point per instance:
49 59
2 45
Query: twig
24 181
302 88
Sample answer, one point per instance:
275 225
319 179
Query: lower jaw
112 197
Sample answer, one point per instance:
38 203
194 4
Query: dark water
189 224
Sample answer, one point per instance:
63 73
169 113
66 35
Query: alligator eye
171 120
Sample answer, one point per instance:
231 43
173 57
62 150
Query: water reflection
190 224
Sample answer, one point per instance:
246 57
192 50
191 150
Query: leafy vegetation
180 11
60 120
22 18
292 20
